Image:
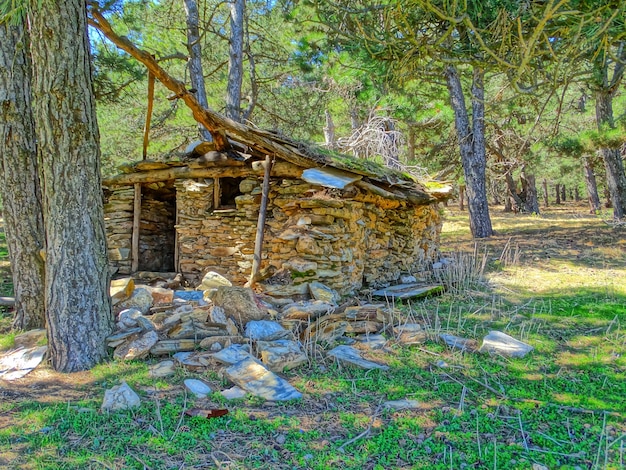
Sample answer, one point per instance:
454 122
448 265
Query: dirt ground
565 232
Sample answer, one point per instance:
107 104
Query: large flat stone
265 330
255 379
137 348
408 291
17 363
347 355
281 355
121 289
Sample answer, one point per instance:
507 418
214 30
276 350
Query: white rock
501 343
137 348
233 393
213 280
281 354
120 397
233 354
162 369
197 387
398 405
15 364
322 292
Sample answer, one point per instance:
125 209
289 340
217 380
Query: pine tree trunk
195 60
472 148
592 188
563 193
613 163
19 179
235 60
461 197
411 145
78 308
530 192
329 131
544 185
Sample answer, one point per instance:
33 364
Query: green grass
562 406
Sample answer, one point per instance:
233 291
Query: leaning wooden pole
146 130
260 226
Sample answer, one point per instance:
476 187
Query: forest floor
556 281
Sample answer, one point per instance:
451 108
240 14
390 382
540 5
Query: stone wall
118 219
341 238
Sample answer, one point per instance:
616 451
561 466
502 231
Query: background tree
78 309
19 188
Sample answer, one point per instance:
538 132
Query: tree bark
329 131
530 192
557 193
613 163
78 307
592 187
563 193
544 184
235 60
472 148
195 60
19 178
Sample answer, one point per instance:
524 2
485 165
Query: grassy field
557 282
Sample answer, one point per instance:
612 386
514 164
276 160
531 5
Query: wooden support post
217 189
258 242
134 253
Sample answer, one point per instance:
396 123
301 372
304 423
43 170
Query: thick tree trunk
235 60
472 147
592 187
557 193
563 193
19 179
78 307
195 60
529 188
520 206
613 163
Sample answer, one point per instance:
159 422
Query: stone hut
345 222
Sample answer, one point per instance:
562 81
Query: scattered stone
325 330
121 289
189 295
456 342
255 379
324 293
410 333
285 290
349 356
369 312
120 397
141 299
145 323
161 295
213 280
364 327
372 342
30 339
128 318
222 341
197 387
15 364
162 369
136 348
195 330
217 315
122 335
498 342
239 304
233 354
169 346
398 405
537 466
306 310
233 393
194 361
265 330
281 354
408 279
408 291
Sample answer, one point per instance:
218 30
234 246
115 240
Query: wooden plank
146 130
258 242
134 254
